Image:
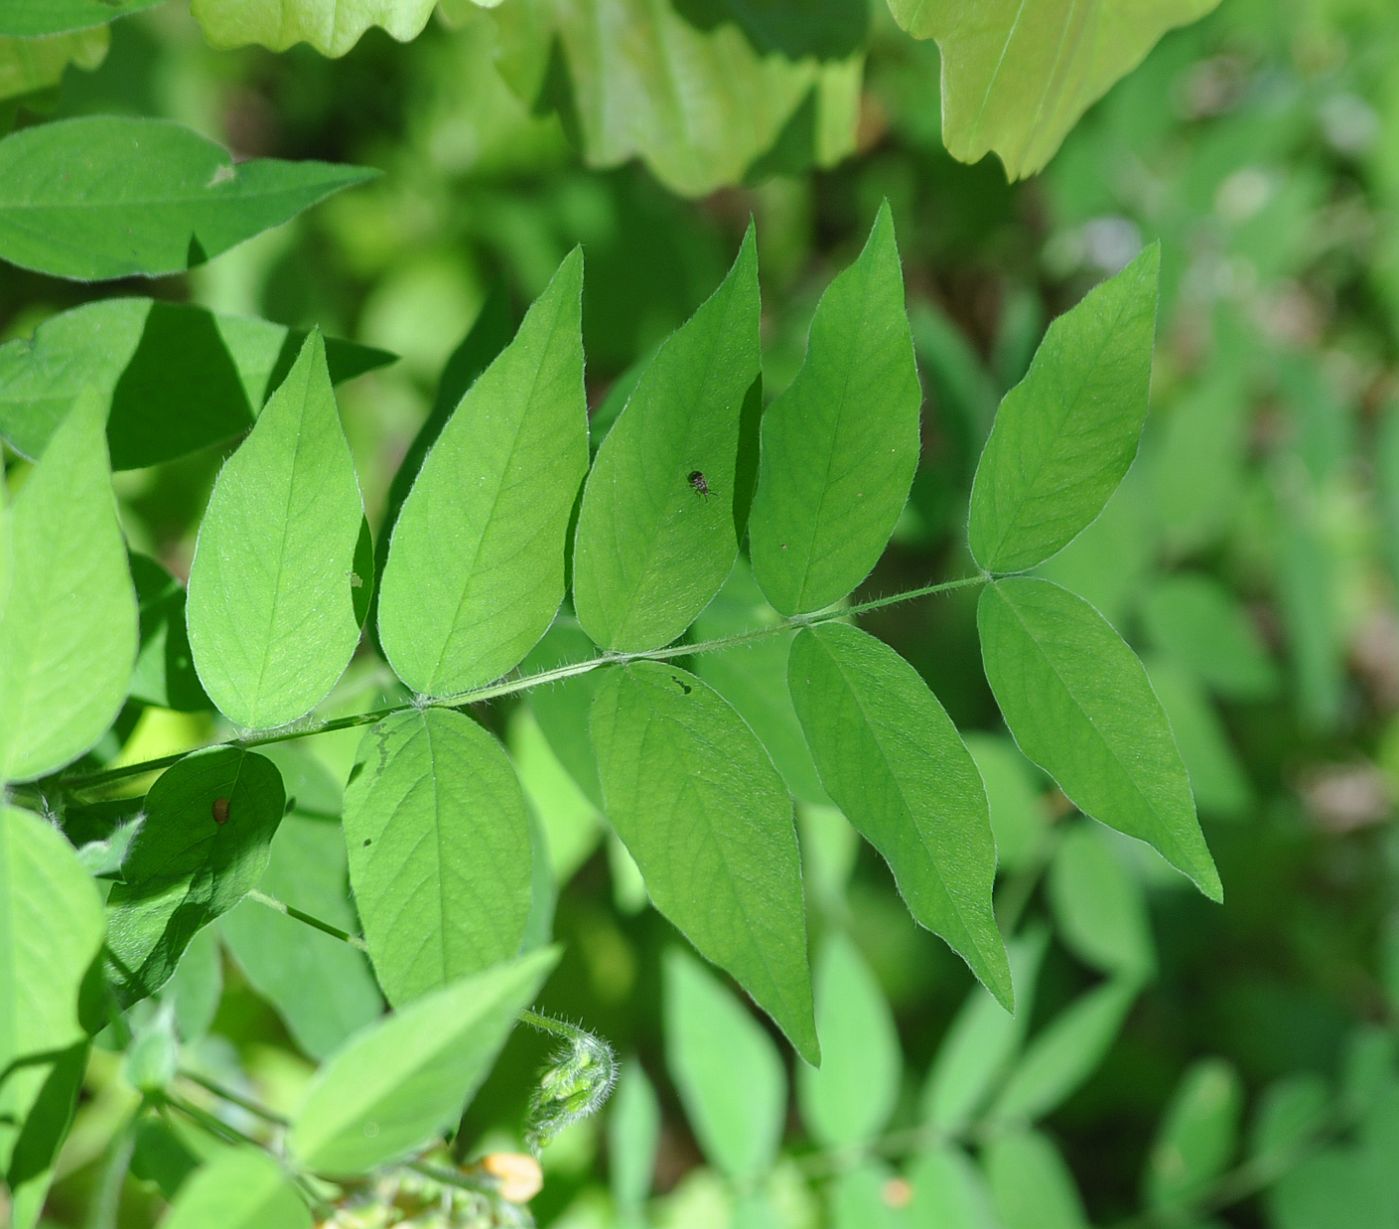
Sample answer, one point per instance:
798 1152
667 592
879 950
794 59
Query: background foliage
1170 1061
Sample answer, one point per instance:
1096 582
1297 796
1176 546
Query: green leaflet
35 18
103 197
703 96
28 65
728 1072
164 674
322 988
1014 794
949 1191
850 1098
1066 434
633 1139
241 1188
696 799
68 622
202 846
894 763
475 569
1079 704
1193 620
1098 905
50 933
142 357
840 446
402 1081
271 610
1197 1136
1031 1186
1069 1049
195 988
651 549
1218 780
439 845
45 1121
859 1198
1018 74
332 27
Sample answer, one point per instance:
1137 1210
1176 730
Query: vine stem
507 687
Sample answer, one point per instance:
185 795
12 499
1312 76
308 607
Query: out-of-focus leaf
165 674
1194 621
1340 1186
840 445
1066 434
68 619
633 1138
332 27
401 1081
702 810
201 848
240 1189
705 96
45 1125
142 357
948 1192
196 985
1079 704
271 610
850 1097
1217 778
1019 815
726 1068
34 18
893 761
1197 1136
859 1199
439 846
1098 905
652 547
475 571
35 63
101 197
1290 1113
1065 1053
50 933
1017 75
1030 1184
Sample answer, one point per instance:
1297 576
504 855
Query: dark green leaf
165 674
33 18
103 197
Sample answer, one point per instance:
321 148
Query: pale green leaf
1066 434
633 1137
1217 777
202 846
1333 1189
981 1042
859 1198
28 65
851 1096
1291 1113
1079 704
271 610
1031 1186
562 708
726 1068
45 1123
700 807
68 627
1068 1050
402 1081
705 99
949 1191
475 570
1193 620
1387 485
893 761
34 18
1014 793
196 986
332 27
1098 906
321 987
242 1188
651 548
840 445
142 357
1018 74
1197 1136
50 933
102 197
165 674
439 848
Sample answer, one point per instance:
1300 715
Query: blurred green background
1245 1072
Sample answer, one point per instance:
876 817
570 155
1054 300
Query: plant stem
316 923
234 1098
507 687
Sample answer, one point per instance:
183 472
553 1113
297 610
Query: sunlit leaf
240 1189
332 27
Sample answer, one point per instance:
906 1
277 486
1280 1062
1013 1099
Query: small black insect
685 687
700 483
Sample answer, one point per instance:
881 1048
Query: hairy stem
508 687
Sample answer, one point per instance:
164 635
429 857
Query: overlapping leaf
332 27
35 18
